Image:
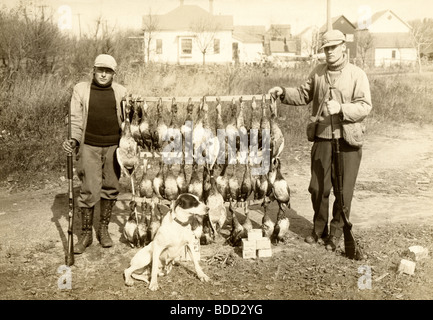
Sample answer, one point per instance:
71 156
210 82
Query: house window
216 46
186 46
159 46
393 54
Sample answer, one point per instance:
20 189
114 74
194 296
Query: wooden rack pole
208 98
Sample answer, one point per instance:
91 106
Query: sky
82 14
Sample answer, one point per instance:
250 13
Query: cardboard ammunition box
264 253
263 243
248 244
249 253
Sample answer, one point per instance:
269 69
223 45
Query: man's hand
69 145
333 107
276 92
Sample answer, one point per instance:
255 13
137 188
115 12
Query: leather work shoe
103 235
86 230
331 243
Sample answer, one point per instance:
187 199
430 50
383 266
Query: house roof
307 29
183 16
392 40
334 20
279 47
279 31
379 14
249 34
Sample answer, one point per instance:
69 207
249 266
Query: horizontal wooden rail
208 98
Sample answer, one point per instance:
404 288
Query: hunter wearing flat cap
340 90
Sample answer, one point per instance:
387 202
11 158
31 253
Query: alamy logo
65 280
364 281
210 149
65 17
364 17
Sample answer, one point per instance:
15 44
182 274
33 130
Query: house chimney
211 7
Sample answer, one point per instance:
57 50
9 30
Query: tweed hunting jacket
352 90
80 108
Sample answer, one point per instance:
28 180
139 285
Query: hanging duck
280 193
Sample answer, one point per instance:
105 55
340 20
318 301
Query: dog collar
183 224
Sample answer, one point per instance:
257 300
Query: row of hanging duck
151 130
140 133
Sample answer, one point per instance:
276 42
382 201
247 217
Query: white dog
180 226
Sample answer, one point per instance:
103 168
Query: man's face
333 53
103 76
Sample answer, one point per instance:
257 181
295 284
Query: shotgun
69 259
350 246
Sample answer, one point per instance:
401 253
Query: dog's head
190 210
190 204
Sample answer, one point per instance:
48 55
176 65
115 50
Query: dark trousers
323 179
99 173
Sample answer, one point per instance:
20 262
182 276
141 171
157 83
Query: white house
391 40
309 41
248 43
189 34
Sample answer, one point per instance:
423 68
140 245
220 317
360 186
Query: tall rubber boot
103 235
86 238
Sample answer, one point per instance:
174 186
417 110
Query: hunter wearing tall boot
96 119
340 90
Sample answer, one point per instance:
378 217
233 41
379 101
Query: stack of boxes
256 245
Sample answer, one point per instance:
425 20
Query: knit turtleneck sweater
102 126
339 64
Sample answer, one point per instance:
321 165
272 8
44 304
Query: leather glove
69 145
333 107
277 92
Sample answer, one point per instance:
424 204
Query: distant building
279 42
248 42
309 41
190 34
181 36
392 42
390 39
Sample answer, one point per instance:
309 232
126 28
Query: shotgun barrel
350 246
69 259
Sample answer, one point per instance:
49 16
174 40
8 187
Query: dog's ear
186 201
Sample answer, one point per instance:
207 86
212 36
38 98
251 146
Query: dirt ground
391 211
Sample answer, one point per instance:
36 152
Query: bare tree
150 28
29 40
204 30
422 36
364 43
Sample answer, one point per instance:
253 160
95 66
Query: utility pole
328 16
42 10
79 23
